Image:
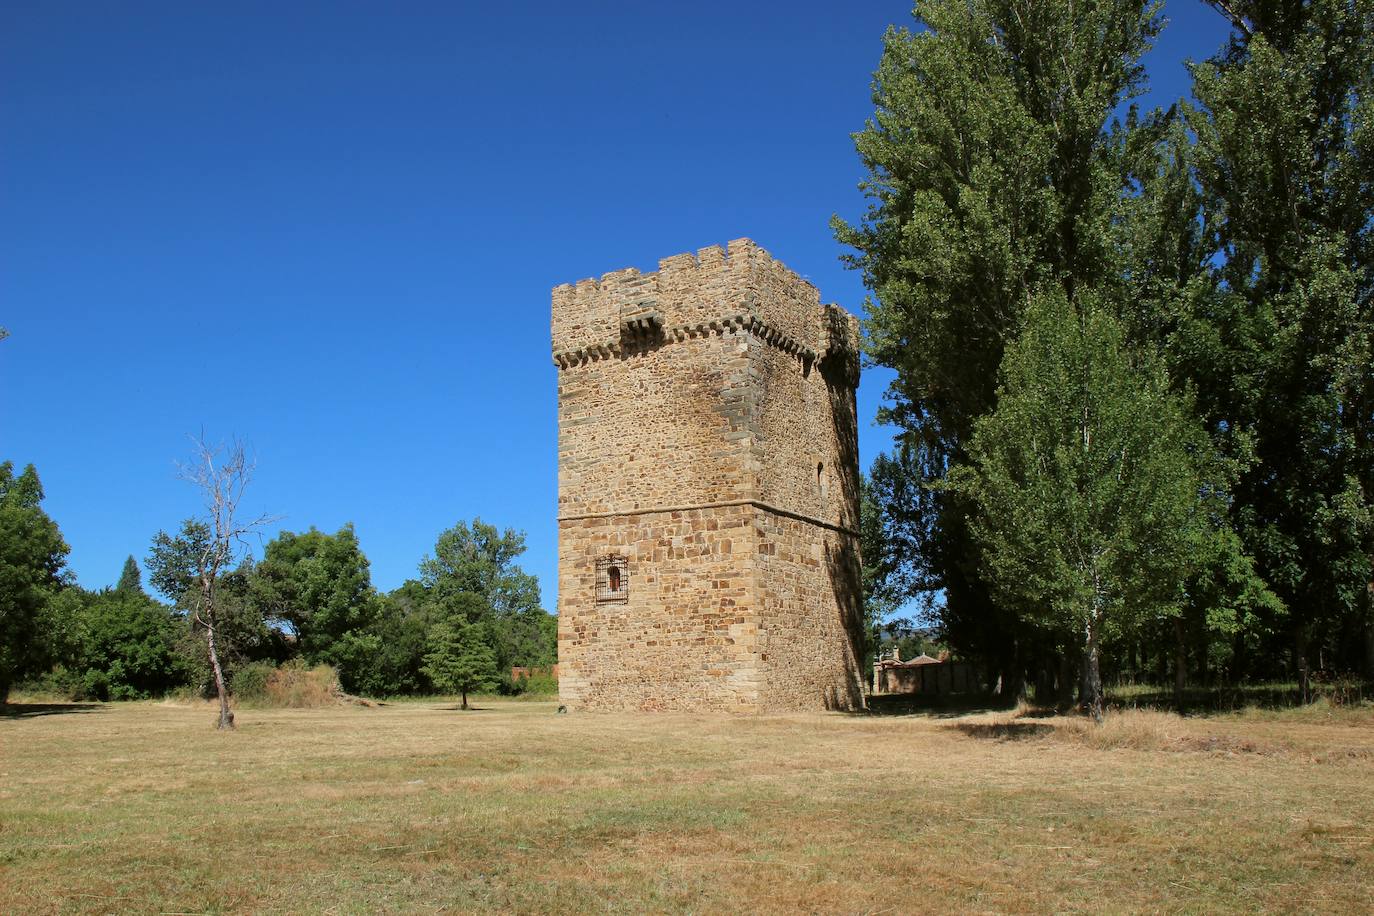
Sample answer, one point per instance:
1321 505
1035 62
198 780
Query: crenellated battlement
740 287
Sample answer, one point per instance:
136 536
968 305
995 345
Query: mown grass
145 808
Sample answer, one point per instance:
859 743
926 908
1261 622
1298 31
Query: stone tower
708 552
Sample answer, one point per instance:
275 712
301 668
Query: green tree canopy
126 647
242 633
459 659
473 576
320 586
391 652
1097 495
32 559
172 561
480 560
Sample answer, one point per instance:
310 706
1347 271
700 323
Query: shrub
89 685
59 684
295 685
249 683
292 685
1339 690
541 685
538 684
81 686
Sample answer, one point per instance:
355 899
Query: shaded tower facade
708 550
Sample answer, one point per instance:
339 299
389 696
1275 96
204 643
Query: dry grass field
144 808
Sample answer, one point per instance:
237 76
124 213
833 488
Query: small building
921 675
517 672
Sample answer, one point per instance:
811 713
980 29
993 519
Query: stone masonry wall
707 450
803 447
687 638
655 429
809 607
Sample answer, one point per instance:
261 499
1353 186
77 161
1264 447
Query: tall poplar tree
1285 163
994 173
1169 301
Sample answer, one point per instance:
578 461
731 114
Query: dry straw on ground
144 808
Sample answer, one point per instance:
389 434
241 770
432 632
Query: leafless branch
1225 8
222 473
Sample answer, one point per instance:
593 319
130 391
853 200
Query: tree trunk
1092 678
1180 664
1064 702
1368 650
465 698
1010 684
1044 681
1300 657
1368 633
226 715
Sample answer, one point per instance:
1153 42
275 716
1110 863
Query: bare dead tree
221 473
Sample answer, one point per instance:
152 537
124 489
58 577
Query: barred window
612 580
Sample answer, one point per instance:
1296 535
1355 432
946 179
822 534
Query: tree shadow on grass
33 710
1002 731
1229 699
947 706
458 708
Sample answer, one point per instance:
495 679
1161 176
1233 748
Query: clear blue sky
331 228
